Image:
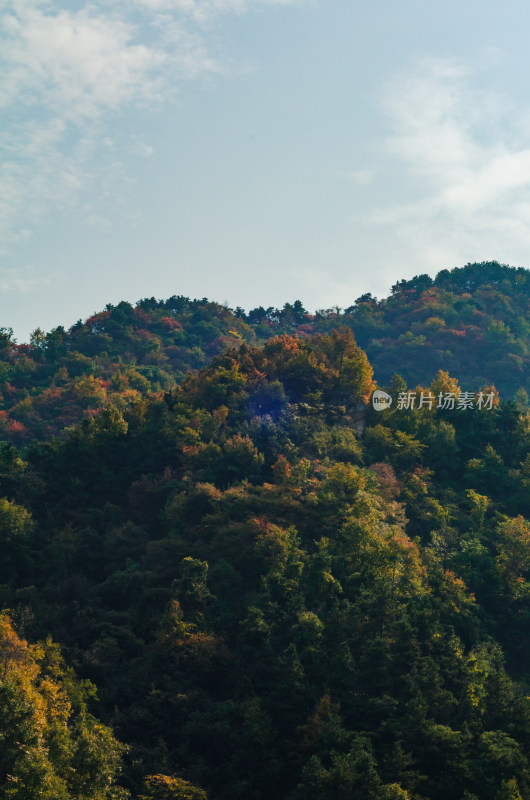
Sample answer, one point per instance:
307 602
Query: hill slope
271 607
472 322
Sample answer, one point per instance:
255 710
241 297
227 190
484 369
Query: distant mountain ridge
472 322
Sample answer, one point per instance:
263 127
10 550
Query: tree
164 787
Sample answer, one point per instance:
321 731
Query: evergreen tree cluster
272 601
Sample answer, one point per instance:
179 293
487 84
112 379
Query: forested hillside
472 322
270 605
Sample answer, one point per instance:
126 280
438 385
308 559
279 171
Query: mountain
269 604
471 322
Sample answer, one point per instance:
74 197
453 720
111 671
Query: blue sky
255 151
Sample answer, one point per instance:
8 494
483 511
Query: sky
255 151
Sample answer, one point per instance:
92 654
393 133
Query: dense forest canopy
230 592
472 322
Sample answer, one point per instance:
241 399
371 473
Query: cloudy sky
255 151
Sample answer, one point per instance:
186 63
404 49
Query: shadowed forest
216 583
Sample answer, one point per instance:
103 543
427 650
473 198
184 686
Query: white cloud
77 64
23 280
65 75
461 156
362 177
204 10
34 175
